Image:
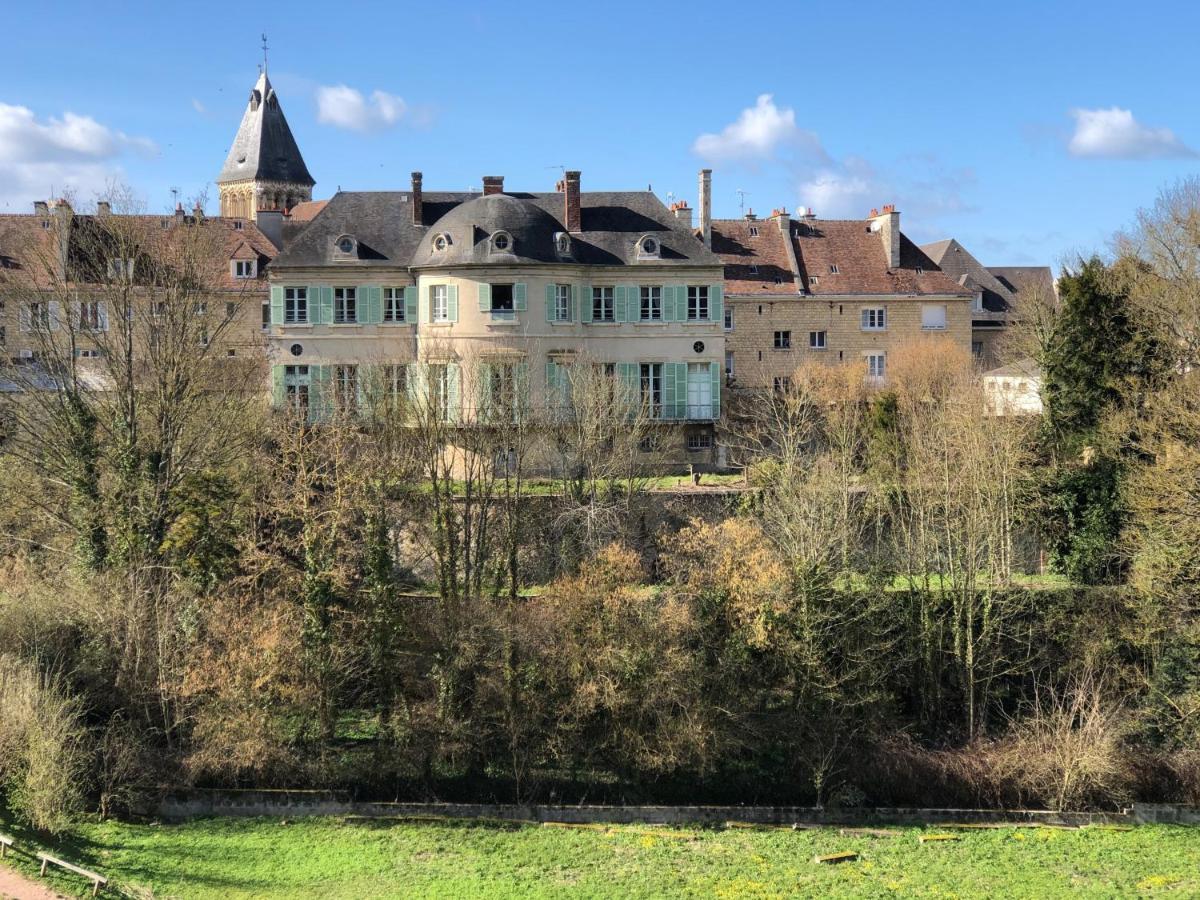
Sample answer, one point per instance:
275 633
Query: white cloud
1116 134
199 107
760 132
344 107
919 185
72 153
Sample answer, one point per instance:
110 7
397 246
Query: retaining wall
193 804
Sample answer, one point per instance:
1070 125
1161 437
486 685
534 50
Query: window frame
650 388
297 303
238 264
818 340
782 340
873 318
439 296
347 314
562 302
603 302
393 306
699 301
650 302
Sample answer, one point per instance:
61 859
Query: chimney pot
493 184
417 199
705 204
41 208
573 213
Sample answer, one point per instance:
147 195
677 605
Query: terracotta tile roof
306 211
861 261
27 249
754 263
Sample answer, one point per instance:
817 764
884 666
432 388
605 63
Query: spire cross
264 48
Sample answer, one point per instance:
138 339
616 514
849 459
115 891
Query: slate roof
264 149
819 244
1023 281
381 223
1026 367
956 261
27 248
754 263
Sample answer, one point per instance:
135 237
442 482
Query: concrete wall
755 320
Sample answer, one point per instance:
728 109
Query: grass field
336 858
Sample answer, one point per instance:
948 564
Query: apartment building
846 291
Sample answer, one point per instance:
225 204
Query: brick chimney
705 202
493 184
41 208
682 211
574 216
417 198
103 208
887 223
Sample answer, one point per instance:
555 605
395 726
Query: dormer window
754 270
920 271
833 269
441 242
245 268
346 245
501 242
753 231
649 248
562 243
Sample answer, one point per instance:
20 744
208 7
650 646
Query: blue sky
1027 130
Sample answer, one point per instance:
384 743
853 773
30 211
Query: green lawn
335 858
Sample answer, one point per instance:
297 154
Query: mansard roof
264 149
381 223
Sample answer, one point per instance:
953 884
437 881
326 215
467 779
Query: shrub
43 763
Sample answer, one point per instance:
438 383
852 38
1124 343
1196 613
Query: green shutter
485 297
629 375
619 293
325 311
669 393
277 304
520 304
368 310
320 401
410 303
714 374
453 392
278 393
418 383
681 390
573 304
585 308
716 303
550 288
452 303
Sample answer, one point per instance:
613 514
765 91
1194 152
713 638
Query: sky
1030 131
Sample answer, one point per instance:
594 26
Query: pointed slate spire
264 156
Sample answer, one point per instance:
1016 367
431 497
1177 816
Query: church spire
264 169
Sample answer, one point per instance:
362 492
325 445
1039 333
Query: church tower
264 169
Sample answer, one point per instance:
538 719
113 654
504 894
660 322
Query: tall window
728 318
439 390
295 385
699 391
783 340
345 384
651 389
501 390
439 302
395 384
875 364
697 299
602 304
295 305
345 305
91 315
393 305
728 365
874 318
562 303
37 316
651 304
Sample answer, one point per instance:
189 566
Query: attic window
833 269
441 241
562 243
501 241
754 270
345 245
920 271
753 231
237 225
778 280
648 247
244 268
814 279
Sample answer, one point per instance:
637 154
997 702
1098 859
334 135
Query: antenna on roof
265 48
174 197
742 202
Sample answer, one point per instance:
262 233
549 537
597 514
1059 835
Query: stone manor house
470 295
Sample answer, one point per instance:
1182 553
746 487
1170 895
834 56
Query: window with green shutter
277 305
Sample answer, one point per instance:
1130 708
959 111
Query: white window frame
728 317
297 385
295 306
345 306
393 306
562 303
603 305
439 303
876 366
699 307
245 268
650 388
873 318
650 304
345 386
818 340
699 441
729 362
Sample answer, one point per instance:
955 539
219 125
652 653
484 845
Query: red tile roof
755 263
